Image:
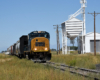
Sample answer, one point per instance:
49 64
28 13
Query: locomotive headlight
35 48
46 49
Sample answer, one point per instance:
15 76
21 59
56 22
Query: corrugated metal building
89 43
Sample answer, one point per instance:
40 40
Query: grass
73 52
79 60
3 56
23 69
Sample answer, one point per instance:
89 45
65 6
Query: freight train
35 45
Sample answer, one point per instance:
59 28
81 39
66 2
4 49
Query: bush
72 63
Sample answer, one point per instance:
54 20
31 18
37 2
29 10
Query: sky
20 17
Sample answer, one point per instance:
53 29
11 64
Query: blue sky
20 17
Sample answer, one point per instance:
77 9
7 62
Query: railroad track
89 73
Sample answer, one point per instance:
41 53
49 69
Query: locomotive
35 45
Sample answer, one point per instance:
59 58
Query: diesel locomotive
35 45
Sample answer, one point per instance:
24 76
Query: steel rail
89 73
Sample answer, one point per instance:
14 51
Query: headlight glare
35 48
46 49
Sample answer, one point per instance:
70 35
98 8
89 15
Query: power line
94 14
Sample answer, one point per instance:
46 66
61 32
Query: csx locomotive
35 45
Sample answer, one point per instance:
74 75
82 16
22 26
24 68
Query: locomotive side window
41 35
44 35
34 35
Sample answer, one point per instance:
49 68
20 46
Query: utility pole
57 36
94 14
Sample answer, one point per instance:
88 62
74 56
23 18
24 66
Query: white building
89 43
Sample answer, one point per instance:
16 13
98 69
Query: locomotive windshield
33 35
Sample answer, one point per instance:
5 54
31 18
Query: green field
78 60
13 68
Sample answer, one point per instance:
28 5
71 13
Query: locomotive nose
40 44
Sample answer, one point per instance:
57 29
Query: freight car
19 46
10 50
23 45
14 49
